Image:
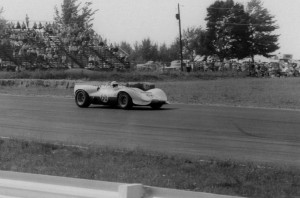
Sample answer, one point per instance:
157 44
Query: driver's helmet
114 84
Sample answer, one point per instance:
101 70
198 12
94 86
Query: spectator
188 67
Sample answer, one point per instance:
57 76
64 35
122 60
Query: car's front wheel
82 99
124 100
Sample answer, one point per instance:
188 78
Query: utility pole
180 40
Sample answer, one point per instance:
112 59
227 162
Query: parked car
176 66
148 66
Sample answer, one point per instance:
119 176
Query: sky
134 20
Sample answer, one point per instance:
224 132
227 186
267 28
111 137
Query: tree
147 50
194 42
136 53
174 50
2 22
126 48
18 25
164 53
34 25
227 29
40 25
23 26
261 26
73 13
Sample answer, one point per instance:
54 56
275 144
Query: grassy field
205 174
136 166
250 92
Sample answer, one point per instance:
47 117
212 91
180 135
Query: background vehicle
176 66
148 66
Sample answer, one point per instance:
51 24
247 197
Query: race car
124 95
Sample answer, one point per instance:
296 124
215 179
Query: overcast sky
134 20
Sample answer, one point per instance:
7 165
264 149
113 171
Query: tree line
232 31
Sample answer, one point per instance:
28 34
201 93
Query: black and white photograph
149 99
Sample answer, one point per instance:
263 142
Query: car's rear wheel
124 100
156 106
82 99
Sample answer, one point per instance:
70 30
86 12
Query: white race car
125 96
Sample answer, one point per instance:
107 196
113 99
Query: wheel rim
123 100
80 98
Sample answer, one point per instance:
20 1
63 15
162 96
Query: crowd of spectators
258 69
275 68
57 46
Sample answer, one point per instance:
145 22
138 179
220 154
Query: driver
114 84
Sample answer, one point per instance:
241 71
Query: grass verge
75 74
250 92
135 166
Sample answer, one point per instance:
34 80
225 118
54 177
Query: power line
215 8
242 24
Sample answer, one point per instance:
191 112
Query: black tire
124 100
156 106
82 99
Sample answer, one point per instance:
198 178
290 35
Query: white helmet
114 84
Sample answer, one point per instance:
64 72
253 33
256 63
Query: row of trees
148 50
236 32
232 31
69 14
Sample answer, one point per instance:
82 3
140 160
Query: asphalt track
263 135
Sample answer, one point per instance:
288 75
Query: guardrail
24 185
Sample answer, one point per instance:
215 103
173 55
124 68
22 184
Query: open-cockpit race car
123 95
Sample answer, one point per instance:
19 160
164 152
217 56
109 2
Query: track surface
264 135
